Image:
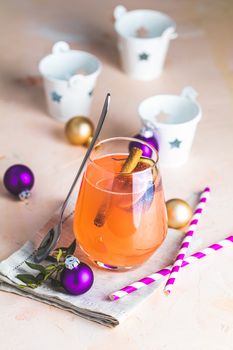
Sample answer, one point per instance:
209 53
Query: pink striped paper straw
166 271
187 240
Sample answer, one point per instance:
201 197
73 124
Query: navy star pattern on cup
90 93
55 97
143 56
175 144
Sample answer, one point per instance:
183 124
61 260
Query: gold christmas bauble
78 130
87 144
179 213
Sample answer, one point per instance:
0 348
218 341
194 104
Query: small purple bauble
19 180
147 136
78 279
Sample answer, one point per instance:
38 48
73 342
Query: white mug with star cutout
143 40
174 119
69 78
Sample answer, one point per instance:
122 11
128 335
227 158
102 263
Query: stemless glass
120 219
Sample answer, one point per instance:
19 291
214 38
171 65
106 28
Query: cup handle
149 124
170 33
190 93
119 11
75 79
60 47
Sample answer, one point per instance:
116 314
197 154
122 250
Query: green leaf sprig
51 272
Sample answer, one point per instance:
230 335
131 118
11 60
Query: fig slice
144 163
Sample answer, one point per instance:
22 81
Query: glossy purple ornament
76 277
146 135
19 180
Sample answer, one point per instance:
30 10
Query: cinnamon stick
127 168
132 160
102 212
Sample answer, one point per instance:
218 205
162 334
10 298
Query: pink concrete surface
199 313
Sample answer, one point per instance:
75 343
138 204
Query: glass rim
123 138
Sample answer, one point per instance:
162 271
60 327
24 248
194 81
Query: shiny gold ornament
78 130
179 213
87 144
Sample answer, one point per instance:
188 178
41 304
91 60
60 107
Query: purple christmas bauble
77 279
19 180
147 136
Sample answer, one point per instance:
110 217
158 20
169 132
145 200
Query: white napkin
95 305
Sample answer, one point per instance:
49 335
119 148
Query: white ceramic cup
69 80
143 57
175 127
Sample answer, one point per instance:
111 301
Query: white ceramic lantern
174 119
143 41
69 80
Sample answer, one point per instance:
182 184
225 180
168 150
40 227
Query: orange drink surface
120 219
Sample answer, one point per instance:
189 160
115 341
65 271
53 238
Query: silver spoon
49 241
